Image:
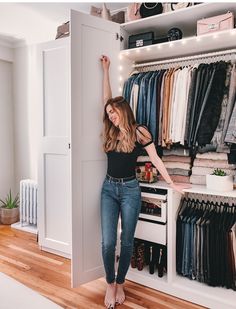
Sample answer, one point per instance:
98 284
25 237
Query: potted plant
9 209
219 181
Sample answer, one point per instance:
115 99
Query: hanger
134 72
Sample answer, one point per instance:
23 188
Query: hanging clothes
183 105
205 242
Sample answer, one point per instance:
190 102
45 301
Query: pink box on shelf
216 23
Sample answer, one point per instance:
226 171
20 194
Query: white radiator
28 201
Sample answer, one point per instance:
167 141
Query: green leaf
9 202
219 172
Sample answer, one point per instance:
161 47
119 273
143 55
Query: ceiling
24 22
61 10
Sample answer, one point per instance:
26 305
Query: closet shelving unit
72 163
186 20
190 45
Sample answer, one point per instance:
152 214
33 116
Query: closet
72 161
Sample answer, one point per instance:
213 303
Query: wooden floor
49 274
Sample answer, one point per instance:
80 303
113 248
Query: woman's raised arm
107 94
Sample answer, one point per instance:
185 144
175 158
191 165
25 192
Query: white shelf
159 184
203 190
145 272
194 189
143 277
221 40
225 297
185 19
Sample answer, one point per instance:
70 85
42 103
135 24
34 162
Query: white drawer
150 202
151 231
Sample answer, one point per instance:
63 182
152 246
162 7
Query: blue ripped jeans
119 198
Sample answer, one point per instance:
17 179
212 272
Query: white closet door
90 38
54 160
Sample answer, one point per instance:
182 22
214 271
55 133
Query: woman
121 194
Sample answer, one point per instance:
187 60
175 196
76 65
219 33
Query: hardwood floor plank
49 274
14 262
41 257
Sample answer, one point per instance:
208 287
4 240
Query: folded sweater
184 166
212 156
176 159
176 152
214 163
197 170
198 180
178 171
177 178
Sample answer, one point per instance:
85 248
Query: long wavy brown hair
122 138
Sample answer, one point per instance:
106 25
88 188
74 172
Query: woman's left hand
180 186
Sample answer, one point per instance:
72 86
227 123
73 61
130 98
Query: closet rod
207 55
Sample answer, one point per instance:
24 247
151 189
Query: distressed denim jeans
124 199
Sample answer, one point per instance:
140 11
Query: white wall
25 114
6 130
26 24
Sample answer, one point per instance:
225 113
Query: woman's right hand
180 186
105 62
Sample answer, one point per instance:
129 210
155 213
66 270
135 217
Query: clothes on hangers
205 247
218 134
231 132
183 104
232 154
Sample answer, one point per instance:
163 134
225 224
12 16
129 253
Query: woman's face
113 115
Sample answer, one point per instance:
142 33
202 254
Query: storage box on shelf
185 47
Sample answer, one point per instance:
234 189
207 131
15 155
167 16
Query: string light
120 68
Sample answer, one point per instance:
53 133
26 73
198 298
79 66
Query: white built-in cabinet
54 161
72 164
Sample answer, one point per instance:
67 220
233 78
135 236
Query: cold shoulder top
122 164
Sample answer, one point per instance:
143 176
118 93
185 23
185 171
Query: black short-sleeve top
123 164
